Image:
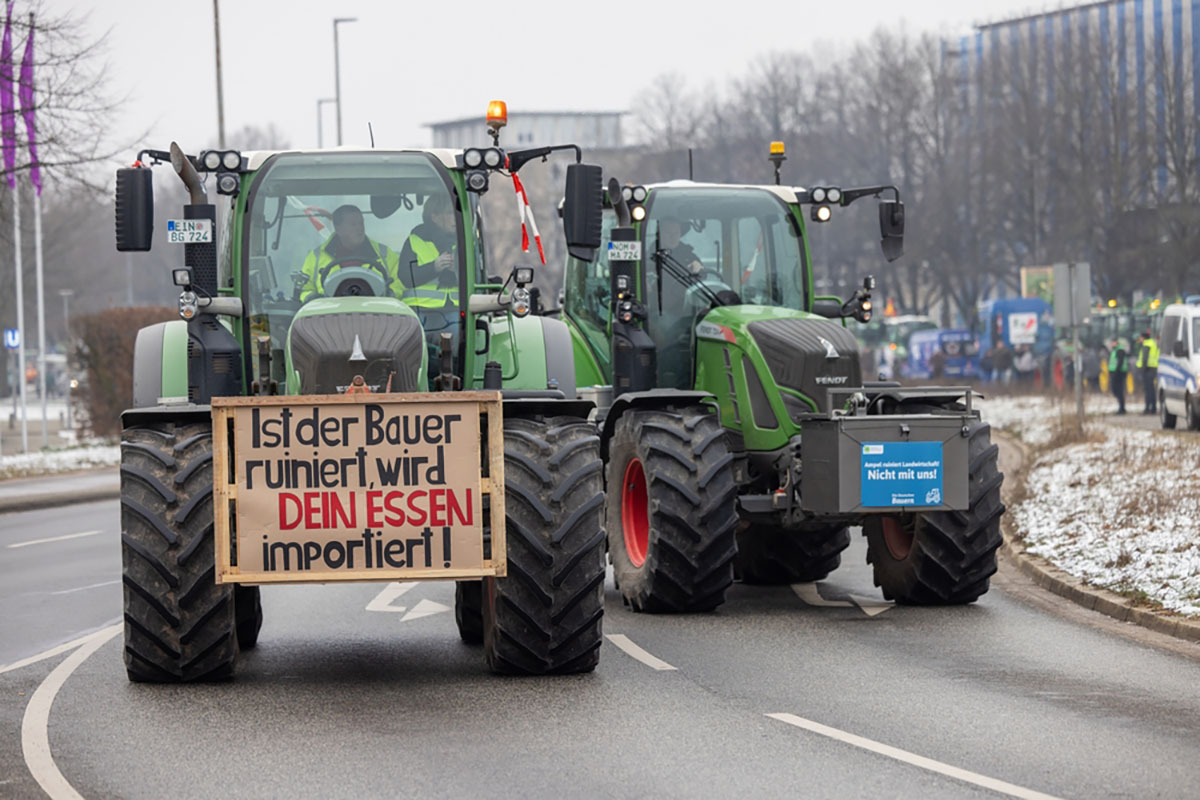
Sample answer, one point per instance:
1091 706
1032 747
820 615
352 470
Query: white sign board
189 231
1072 293
624 251
1023 327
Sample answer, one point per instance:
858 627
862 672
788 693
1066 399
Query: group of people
1001 363
1146 364
423 273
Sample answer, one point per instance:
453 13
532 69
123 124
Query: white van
1179 365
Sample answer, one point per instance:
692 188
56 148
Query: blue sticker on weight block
901 474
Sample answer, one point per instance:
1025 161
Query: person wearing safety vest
1147 362
1118 368
428 271
349 246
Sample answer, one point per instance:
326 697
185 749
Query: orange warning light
497 114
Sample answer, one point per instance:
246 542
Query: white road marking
383 600
35 725
966 776
54 539
51 653
425 608
622 641
872 607
809 593
82 588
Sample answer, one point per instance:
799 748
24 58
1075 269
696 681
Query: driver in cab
428 273
349 246
670 234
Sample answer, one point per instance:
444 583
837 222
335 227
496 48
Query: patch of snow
52 461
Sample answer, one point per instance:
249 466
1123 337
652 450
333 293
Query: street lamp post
337 74
320 104
66 294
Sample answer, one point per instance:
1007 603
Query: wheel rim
635 517
897 537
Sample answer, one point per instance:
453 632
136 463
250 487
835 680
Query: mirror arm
850 195
518 158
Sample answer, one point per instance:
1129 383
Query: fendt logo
827 380
830 351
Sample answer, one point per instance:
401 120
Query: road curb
1062 583
37 502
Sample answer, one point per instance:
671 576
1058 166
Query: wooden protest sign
359 487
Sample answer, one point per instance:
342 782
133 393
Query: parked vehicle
1179 365
950 353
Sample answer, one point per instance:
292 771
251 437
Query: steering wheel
354 281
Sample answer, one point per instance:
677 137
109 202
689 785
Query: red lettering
373 510
395 516
453 509
437 507
286 499
417 514
312 511
338 512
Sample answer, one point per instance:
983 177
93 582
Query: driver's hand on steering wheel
696 267
445 261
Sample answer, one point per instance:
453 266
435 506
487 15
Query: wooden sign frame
225 490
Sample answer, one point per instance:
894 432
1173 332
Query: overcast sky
405 63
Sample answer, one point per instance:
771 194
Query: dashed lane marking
622 641
54 539
83 588
35 725
1010 789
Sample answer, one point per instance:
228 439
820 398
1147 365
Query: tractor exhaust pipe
187 174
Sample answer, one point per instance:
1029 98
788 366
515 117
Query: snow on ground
1034 419
1117 510
52 461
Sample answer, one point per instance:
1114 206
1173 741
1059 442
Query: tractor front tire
772 556
943 557
671 510
545 617
180 624
468 611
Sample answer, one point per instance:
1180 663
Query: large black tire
943 557
468 610
671 510
545 617
773 556
1192 405
180 624
247 609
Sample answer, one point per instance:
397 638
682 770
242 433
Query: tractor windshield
388 222
715 246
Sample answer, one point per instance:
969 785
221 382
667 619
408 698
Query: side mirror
827 307
582 210
134 209
1179 350
891 228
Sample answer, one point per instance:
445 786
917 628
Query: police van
1179 365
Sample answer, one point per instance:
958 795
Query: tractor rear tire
247 610
468 611
545 617
671 510
180 624
772 556
943 557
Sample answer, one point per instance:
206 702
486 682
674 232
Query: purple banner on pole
8 121
27 110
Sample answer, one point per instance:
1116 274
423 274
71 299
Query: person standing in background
1118 368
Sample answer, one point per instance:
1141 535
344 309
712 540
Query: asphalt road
342 701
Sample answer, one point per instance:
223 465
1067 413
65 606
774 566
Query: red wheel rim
897 537
635 517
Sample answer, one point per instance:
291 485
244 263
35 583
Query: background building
590 130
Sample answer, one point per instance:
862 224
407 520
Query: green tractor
254 338
739 436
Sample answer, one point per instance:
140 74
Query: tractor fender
560 355
160 363
650 399
178 413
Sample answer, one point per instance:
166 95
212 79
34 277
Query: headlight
627 193
227 183
638 213
833 195
188 305
639 194
477 181
821 213
818 195
521 302
492 157
211 160
231 160
472 158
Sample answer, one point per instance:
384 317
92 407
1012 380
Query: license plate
624 251
189 231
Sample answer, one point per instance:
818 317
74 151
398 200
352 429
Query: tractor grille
799 359
321 348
